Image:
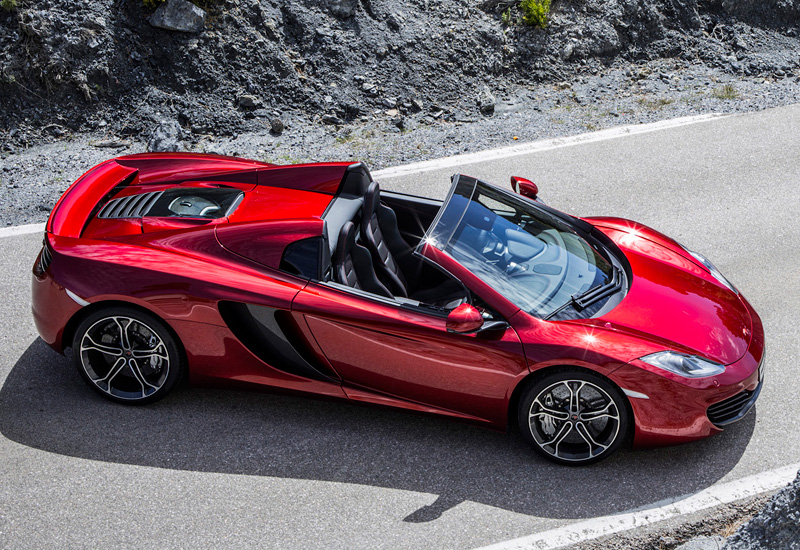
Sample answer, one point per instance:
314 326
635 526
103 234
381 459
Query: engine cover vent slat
132 206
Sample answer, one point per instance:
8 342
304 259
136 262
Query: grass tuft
728 91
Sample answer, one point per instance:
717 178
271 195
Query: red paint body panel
673 298
217 356
268 203
77 203
52 308
110 228
178 167
159 225
402 353
322 178
264 242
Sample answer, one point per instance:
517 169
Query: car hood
673 298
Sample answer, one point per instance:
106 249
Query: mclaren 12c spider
489 306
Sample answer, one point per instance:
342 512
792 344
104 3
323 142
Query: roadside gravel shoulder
32 179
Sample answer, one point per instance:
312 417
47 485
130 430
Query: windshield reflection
531 257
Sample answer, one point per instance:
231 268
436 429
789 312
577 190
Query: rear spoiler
86 196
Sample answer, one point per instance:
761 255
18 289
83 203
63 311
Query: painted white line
21 230
716 495
537 146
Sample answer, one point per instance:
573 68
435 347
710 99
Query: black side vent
268 334
132 206
731 409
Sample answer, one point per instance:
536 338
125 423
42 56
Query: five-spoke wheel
574 417
127 355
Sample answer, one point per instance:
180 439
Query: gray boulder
486 101
343 9
179 15
166 137
775 527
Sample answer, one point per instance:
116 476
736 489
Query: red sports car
489 306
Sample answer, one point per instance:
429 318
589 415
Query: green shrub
535 12
8 5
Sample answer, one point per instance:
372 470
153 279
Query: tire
574 417
127 355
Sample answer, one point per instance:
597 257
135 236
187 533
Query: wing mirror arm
491 326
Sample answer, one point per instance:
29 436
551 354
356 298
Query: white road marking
537 146
21 230
716 495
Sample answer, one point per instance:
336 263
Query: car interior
372 237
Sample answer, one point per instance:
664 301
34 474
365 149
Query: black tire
574 417
127 355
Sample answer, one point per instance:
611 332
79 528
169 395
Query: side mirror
524 187
464 319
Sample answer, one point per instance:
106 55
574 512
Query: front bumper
673 409
735 408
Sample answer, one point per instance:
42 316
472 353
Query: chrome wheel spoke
157 351
544 410
575 396
587 437
559 437
137 373
102 348
605 412
123 332
105 382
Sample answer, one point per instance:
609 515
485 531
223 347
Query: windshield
530 256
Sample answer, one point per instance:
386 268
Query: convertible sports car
489 306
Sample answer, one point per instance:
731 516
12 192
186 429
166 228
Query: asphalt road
216 468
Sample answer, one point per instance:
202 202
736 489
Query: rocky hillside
70 66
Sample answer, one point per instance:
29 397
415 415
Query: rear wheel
574 417
127 355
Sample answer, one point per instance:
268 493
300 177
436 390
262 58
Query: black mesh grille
730 409
132 206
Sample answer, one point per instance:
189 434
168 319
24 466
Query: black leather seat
352 264
393 257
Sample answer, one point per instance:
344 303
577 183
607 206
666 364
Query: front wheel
127 355
574 417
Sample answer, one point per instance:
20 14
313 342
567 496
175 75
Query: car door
405 351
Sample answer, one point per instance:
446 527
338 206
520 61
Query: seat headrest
346 242
372 198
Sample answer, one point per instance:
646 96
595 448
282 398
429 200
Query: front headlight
713 270
688 366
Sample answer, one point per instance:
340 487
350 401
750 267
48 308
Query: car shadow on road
45 405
